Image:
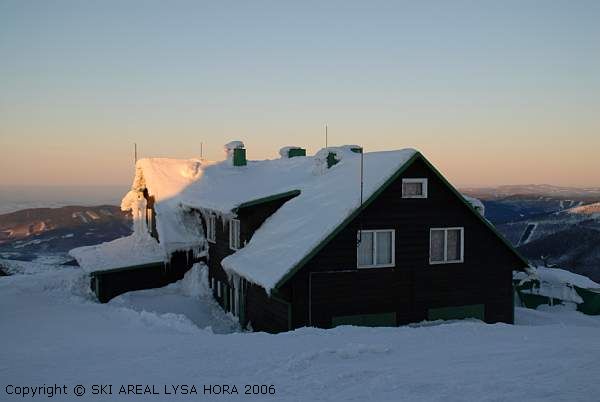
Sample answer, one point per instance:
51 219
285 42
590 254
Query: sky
491 92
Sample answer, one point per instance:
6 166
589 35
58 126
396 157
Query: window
211 228
446 245
376 248
234 234
414 188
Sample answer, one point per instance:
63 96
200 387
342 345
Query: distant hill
49 233
559 224
576 247
529 191
505 204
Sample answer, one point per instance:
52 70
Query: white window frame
375 265
462 246
211 228
234 236
423 182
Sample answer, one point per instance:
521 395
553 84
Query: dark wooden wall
266 313
115 282
263 313
413 286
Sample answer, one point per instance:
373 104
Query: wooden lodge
401 245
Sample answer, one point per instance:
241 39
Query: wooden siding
263 313
111 283
353 292
483 278
266 313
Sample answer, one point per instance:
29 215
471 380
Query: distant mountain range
548 224
536 190
17 198
47 234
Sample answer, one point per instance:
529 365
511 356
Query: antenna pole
360 226
134 153
361 174
325 135
200 149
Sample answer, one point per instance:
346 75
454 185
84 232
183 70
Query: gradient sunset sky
492 92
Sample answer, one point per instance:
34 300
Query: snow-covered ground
52 332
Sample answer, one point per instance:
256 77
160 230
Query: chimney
291 152
236 153
335 154
331 159
239 157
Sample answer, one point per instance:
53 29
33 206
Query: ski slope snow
53 332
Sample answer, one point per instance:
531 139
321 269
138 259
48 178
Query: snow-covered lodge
341 237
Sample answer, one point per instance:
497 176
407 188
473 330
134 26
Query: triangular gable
374 196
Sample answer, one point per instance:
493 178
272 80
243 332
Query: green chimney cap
292 152
239 157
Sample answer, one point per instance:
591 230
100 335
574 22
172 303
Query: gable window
234 234
375 248
211 228
446 245
414 188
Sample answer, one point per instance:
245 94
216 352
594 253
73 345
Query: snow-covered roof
166 180
556 283
137 249
327 197
558 276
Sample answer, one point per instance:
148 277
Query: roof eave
273 197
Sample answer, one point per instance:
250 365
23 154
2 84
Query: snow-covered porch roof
137 249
